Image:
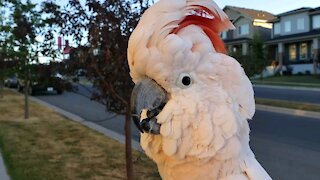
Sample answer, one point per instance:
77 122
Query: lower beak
149 96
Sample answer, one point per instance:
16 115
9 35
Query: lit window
293 52
276 28
303 51
234 49
243 29
316 22
287 26
300 24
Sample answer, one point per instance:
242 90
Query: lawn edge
288 85
107 132
289 111
70 116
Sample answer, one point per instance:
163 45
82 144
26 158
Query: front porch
238 46
295 57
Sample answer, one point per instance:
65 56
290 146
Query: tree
22 36
5 47
255 61
25 24
258 54
107 26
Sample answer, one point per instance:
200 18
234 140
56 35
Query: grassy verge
298 81
289 104
49 146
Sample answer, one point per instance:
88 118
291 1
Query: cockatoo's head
187 89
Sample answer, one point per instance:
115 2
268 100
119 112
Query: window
287 26
300 24
243 29
224 35
276 28
234 49
303 51
292 52
316 22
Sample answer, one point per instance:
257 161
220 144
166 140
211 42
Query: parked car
11 81
42 84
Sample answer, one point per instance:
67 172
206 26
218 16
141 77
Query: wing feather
254 170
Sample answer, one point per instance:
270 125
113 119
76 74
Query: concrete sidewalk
3 172
296 112
287 87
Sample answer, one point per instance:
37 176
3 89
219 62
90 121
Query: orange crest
209 22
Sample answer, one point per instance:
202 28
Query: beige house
248 22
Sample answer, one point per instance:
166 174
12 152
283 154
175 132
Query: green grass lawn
300 81
289 104
49 146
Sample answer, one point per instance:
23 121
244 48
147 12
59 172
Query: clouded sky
272 6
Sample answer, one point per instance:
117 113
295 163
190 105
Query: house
295 40
248 22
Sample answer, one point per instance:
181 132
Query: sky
274 7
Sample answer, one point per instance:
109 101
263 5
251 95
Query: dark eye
184 80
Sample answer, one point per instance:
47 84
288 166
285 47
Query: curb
3 172
107 132
288 111
287 87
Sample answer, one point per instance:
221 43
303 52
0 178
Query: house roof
294 37
252 13
295 11
315 10
236 41
303 9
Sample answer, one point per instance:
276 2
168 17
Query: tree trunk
1 89
26 95
315 63
127 128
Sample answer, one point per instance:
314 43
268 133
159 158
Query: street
287 146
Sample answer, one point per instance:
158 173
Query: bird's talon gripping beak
147 95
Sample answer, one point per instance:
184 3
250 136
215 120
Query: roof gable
252 13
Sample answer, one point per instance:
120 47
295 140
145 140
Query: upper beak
147 95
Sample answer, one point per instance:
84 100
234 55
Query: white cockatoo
191 101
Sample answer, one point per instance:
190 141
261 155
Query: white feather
204 130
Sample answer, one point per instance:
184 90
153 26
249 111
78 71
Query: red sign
59 42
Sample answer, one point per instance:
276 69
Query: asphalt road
307 96
287 146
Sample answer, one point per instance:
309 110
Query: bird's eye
184 80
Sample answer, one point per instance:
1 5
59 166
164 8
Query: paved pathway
3 172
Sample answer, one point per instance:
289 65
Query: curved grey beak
147 95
